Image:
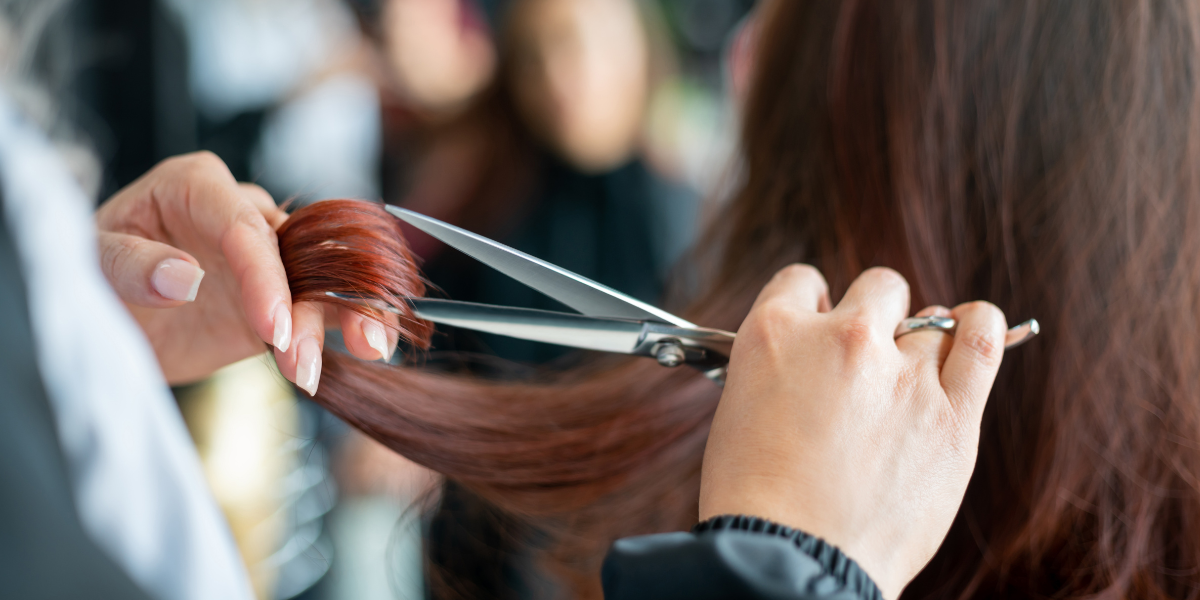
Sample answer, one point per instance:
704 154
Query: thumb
147 273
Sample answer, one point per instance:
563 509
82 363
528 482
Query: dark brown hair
1044 156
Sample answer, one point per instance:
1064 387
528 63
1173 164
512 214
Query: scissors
607 320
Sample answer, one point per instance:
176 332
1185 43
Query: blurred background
592 133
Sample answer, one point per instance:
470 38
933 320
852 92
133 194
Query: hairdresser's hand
829 425
194 256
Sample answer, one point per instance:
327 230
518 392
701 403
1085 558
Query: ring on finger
915 324
1014 337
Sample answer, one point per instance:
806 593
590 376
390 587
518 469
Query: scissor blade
573 290
564 329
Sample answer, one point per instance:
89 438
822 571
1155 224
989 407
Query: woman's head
1043 156
440 53
579 71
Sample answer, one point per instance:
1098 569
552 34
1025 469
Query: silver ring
914 324
1015 336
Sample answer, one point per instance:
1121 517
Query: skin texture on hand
829 425
193 255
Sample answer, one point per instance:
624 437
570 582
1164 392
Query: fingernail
176 279
308 365
283 329
376 338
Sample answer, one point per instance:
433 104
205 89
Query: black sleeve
733 557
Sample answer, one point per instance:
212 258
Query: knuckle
205 158
885 276
775 314
801 271
811 275
202 162
983 344
256 190
254 221
768 326
990 311
854 333
114 257
259 198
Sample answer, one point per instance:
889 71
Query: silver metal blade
575 291
590 333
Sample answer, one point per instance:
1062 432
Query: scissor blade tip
429 225
398 212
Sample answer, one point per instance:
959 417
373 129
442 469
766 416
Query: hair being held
1043 156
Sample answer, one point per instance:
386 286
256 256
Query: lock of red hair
335 250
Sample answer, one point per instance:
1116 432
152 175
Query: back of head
1043 156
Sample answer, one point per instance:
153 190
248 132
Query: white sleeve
137 480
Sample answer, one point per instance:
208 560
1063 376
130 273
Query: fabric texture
137 483
733 557
44 551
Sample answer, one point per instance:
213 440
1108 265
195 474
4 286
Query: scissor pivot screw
669 353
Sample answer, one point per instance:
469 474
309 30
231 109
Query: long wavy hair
1044 156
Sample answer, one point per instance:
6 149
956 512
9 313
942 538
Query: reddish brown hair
1044 156
355 250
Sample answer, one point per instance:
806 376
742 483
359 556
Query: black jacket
733 557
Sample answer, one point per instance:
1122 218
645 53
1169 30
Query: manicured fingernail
283 329
176 279
308 365
376 337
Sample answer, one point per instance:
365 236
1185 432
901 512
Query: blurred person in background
523 120
538 148
580 72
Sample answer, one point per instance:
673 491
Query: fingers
231 217
253 257
880 296
936 310
264 203
930 346
367 338
147 273
799 286
974 358
301 363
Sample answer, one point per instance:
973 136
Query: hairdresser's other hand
829 425
193 254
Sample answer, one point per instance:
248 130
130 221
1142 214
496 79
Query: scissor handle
1015 337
